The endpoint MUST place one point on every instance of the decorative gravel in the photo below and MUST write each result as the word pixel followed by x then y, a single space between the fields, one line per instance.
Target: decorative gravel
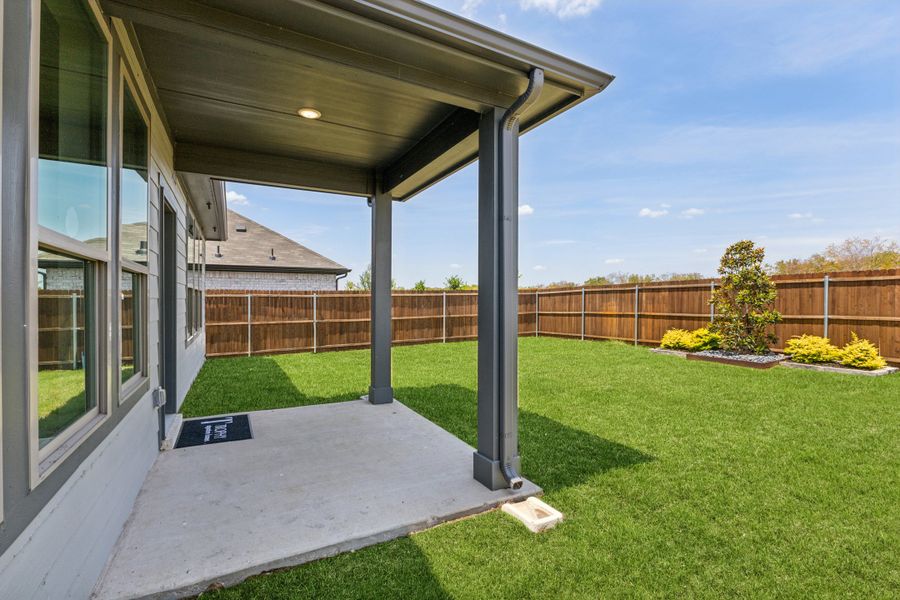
pixel 753 358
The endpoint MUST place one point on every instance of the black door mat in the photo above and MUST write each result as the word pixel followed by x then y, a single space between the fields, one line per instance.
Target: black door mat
pixel 214 430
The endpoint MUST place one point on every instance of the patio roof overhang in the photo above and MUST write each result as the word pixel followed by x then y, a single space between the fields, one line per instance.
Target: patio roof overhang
pixel 401 86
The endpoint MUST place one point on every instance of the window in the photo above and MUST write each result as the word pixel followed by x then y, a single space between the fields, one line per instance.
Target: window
pixel 131 290
pixel 194 292
pixel 72 167
pixel 71 213
pixel 67 387
pixel 133 235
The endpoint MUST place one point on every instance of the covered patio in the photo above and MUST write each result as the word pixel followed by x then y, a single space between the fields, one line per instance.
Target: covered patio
pixel 313 482
pixel 373 99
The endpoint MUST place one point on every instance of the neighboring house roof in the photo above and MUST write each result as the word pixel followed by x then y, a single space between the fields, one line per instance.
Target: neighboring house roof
pixel 251 246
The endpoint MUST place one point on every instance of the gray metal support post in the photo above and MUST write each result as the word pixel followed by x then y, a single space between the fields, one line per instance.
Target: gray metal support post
pixel 537 312
pixel 380 390
pixel 636 313
pixel 498 306
pixel 825 285
pixel 712 307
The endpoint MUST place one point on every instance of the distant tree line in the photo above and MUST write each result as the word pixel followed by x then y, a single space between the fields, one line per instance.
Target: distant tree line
pixel 854 254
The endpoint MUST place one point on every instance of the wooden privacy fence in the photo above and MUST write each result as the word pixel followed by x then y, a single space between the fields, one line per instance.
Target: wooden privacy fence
pixel 61 330
pixel 834 305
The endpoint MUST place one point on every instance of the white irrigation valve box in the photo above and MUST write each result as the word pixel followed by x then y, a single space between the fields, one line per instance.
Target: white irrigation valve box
pixel 536 514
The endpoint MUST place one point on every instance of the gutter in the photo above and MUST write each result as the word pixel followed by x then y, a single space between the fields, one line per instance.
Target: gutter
pixel 507 421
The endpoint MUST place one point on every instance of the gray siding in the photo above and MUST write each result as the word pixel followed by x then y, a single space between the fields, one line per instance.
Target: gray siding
pixel 56 537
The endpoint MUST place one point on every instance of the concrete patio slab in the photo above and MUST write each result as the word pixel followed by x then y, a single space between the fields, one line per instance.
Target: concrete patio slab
pixel 313 482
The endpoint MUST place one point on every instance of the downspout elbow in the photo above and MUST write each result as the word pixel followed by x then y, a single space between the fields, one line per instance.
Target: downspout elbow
pixel 528 97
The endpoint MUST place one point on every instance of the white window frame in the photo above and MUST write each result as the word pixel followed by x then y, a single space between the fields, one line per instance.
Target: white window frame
pixel 43 461
pixel 126 389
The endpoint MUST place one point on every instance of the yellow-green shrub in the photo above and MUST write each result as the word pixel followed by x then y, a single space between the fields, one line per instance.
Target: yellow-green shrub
pixel 704 339
pixel 812 349
pixel 691 341
pixel 677 339
pixel 861 354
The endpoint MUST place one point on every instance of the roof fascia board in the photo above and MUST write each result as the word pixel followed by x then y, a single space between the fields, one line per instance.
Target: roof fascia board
pixel 275 269
pixel 456 31
pixel 265 169
pixel 213 25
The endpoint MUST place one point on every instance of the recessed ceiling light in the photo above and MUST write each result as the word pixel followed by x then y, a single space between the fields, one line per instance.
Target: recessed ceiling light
pixel 309 113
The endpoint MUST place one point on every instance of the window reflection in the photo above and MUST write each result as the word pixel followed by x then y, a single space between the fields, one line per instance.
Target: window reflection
pixel 72 133
pixel 134 182
pixel 131 319
pixel 65 349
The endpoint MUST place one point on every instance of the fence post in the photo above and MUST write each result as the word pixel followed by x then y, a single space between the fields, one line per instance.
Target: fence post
pixel 74 330
pixel 537 312
pixel 712 307
pixel 582 314
pixel 444 316
pixel 636 287
pixel 825 285
pixel 249 329
pixel 315 323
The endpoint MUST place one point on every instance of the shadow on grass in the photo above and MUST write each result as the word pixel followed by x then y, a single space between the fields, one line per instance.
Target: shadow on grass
pixel 554 455
pixel 247 384
pixel 396 569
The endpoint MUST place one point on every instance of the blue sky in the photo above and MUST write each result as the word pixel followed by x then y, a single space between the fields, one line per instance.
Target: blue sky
pixel 773 120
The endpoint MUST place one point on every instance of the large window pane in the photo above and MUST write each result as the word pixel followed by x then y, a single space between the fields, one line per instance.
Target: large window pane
pixel 65 349
pixel 134 182
pixel 132 318
pixel 72 133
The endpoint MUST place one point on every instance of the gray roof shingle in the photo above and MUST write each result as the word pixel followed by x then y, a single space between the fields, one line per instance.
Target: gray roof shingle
pixel 250 247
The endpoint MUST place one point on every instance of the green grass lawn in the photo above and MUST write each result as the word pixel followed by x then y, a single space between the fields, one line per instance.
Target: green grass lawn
pixel 61 400
pixel 677 478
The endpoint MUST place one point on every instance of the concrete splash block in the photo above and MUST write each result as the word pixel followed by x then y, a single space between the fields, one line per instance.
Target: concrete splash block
pixel 536 514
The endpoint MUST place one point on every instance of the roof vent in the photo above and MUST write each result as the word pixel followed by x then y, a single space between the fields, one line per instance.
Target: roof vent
pixel 241 228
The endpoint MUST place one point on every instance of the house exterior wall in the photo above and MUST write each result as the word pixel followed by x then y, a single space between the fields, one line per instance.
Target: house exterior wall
pixel 57 533
pixel 265 281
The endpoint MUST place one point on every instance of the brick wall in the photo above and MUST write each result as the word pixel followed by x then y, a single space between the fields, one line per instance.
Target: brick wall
pixel 268 282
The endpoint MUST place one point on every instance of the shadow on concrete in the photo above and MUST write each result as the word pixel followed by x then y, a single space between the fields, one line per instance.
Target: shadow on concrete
pixel 554 455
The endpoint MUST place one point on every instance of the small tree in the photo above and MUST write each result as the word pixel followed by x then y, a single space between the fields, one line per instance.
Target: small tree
pixel 454 282
pixel 365 281
pixel 419 286
pixel 744 300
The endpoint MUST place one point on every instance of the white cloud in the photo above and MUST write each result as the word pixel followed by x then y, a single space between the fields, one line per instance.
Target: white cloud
pixel 525 209
pixel 797 216
pixel 665 205
pixel 653 214
pixel 563 9
pixel 557 243
pixel 455 266
pixel 469 7
pixel 236 198
pixel 614 261
pixel 700 250
pixel 540 268
pixel 692 212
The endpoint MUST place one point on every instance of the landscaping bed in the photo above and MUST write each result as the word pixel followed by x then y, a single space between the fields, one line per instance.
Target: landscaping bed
pixel 838 368
pixel 755 361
